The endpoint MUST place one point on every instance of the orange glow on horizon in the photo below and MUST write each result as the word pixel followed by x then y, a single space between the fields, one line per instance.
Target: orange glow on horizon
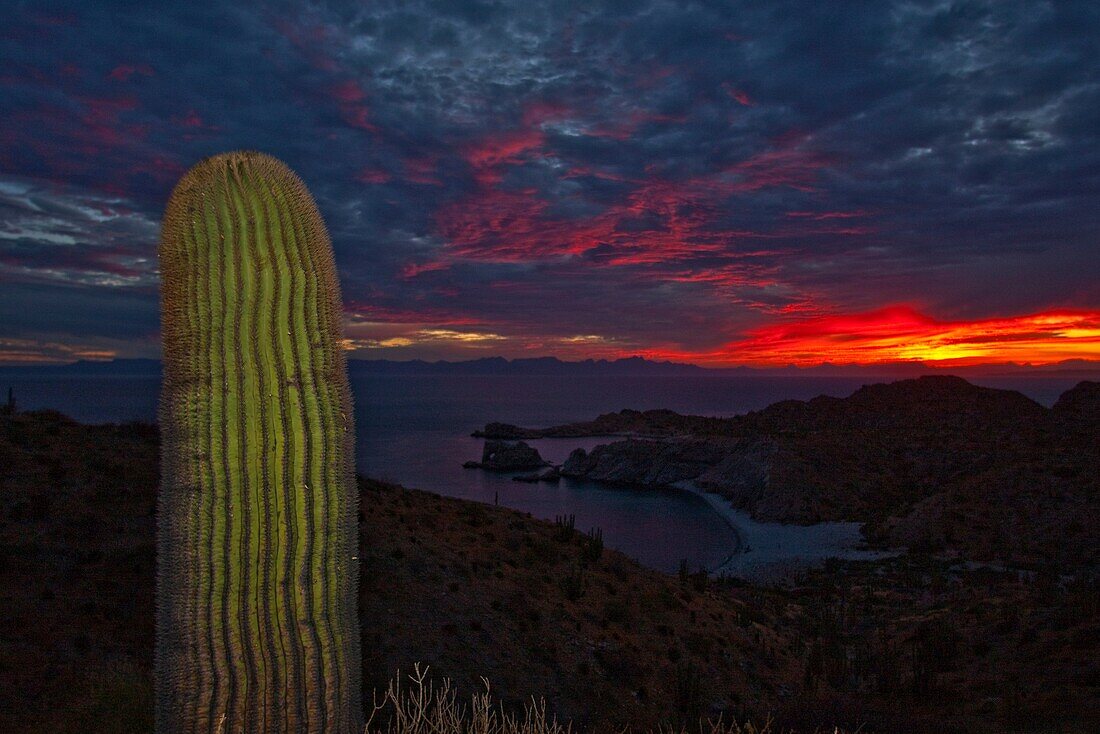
pixel 902 334
pixel 27 352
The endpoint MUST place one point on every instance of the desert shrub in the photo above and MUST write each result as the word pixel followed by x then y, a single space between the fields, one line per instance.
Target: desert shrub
pixel 565 525
pixel 593 546
pixel 422 706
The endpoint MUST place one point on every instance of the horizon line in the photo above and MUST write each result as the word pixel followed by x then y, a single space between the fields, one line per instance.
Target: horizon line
pixel 934 365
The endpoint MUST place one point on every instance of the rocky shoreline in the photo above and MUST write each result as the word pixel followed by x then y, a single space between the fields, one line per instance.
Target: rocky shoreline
pixel 737 469
pixel 932 462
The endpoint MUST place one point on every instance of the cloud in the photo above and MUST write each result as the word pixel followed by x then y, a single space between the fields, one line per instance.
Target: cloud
pixel 664 175
pixel 902 334
pixel 74 237
pixel 123 72
pixel 15 352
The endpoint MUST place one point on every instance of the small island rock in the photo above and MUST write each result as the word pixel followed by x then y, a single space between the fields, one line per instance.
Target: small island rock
pixel 507 456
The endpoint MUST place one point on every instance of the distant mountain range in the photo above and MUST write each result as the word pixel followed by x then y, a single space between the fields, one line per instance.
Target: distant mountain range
pixel 87 367
pixel 641 366
pixel 531 366
pixel 630 366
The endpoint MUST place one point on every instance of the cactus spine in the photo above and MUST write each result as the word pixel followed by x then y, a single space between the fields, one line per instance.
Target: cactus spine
pixel 257 581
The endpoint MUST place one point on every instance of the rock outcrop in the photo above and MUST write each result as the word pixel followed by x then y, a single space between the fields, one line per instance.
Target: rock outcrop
pixel 646 462
pixel 507 456
pixel 736 469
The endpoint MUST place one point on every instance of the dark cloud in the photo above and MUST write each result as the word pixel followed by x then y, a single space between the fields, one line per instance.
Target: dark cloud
pixel 594 178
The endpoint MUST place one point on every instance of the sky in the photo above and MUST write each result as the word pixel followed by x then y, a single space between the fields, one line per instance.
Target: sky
pixel 711 182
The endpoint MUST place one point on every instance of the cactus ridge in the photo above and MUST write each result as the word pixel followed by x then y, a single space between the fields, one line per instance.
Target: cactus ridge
pixel 257 585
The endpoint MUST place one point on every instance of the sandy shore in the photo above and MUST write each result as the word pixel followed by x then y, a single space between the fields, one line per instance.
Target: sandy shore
pixel 768 552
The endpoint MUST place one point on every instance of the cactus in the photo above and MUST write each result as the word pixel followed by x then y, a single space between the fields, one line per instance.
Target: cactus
pixel 257 580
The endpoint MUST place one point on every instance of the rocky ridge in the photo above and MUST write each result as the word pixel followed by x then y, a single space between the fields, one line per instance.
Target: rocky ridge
pixel 931 461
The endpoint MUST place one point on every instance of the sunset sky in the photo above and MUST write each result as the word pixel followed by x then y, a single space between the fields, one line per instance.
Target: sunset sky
pixel 714 182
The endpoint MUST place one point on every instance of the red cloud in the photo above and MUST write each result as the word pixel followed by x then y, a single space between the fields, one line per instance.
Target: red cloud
pixel 123 72
pixel 580 171
pixel 79 261
pixel 625 130
pixel 660 220
pixel 740 95
pixel 422 170
pixel 72 146
pixel 373 176
pixel 349 96
pixel 902 334
pixel 191 119
pixel 376 313
pixel 536 113
pixel 101 127
pixel 486 156
pixel 347 91
pixel 818 216
pixel 411 270
pixel 358 117
pixel 308 40
pixel 315 42
pixel 788 165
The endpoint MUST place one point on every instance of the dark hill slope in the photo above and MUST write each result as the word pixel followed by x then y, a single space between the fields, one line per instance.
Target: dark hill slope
pixel 470 589
pixel 1081 403
pixel 484 591
pixel 915 645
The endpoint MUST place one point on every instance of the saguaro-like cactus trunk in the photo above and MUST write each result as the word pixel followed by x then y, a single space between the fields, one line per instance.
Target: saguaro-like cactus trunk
pixel 257 580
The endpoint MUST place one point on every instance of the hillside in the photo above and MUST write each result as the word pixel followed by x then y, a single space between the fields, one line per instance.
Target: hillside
pixel 915 645
pixel 470 589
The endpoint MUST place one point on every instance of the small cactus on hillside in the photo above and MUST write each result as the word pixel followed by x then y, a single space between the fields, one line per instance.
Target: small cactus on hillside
pixel 257 581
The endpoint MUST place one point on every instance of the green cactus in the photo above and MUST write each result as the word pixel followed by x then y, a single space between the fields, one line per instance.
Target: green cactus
pixel 257 581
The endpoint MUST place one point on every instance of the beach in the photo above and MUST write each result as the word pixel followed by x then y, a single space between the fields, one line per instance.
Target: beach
pixel 768 552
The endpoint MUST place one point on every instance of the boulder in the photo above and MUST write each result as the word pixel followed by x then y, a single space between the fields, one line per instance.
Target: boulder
pixel 644 462
pixel 507 456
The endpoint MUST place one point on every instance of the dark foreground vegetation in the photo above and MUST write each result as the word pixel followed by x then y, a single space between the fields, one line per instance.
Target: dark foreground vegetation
pixel 926 642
